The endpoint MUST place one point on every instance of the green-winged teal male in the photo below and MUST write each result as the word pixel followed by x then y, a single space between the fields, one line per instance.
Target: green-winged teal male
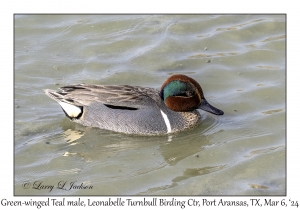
pixel 134 109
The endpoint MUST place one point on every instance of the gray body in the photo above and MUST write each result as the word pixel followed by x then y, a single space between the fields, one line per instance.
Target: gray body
pixel 126 109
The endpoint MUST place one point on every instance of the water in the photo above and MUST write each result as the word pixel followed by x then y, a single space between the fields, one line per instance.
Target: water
pixel 239 60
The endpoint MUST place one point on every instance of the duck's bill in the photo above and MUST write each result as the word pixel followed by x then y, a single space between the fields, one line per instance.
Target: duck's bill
pixel 209 108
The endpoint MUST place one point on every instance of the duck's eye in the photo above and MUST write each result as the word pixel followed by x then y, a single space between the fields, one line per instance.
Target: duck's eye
pixel 185 94
pixel 190 93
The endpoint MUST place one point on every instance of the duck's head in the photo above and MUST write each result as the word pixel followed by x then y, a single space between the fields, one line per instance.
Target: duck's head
pixel 182 93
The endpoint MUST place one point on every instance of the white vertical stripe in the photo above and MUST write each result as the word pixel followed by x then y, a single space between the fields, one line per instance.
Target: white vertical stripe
pixel 166 119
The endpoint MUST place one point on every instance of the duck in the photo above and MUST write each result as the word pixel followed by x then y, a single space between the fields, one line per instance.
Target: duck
pixel 135 109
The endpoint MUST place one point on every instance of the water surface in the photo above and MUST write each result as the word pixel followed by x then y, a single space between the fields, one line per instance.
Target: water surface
pixel 239 60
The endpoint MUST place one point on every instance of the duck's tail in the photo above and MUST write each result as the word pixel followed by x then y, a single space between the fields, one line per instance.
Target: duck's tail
pixel 70 109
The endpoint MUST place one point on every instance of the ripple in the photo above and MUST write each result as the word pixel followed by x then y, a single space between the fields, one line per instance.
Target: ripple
pixel 146 170
pixel 192 172
pixel 257 186
pixel 272 111
pixel 274 38
pixel 264 151
pixel 215 55
pixel 70 171
pixel 269 67
pixel 239 26
pixel 214 126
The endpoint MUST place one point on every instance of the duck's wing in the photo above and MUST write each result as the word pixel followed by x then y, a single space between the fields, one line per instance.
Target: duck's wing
pixel 114 96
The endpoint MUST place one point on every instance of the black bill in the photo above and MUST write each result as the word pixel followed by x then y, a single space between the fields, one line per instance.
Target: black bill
pixel 209 108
